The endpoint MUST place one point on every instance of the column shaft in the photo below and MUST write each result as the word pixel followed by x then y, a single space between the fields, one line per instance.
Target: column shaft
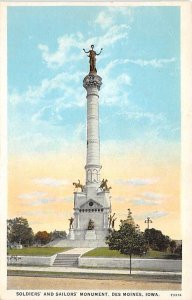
pixel 92 85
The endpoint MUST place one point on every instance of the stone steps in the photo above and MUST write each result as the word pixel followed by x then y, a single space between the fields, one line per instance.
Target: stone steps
pixel 66 260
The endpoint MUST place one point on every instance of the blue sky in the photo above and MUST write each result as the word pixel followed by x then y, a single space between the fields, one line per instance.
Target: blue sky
pixel 140 67
pixel 139 110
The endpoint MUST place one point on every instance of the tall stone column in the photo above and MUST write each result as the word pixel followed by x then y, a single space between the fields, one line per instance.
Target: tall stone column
pixel 92 83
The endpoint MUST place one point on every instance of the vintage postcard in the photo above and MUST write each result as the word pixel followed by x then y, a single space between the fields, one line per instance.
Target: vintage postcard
pixel 95 151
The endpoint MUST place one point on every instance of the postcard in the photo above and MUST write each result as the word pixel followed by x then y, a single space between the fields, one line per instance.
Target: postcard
pixel 95 150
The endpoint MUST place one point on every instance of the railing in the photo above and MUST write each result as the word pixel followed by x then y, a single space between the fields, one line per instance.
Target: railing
pixel 12 259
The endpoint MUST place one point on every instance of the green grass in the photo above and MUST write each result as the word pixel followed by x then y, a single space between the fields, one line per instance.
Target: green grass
pixel 105 252
pixel 162 255
pixel 37 251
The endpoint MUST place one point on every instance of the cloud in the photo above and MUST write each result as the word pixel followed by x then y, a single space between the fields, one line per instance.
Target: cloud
pixel 116 91
pixel 43 214
pixel 154 196
pixel 137 181
pixel 29 196
pixel 69 47
pixel 51 181
pixel 80 130
pixel 39 198
pixel 60 83
pixel 141 201
pixel 119 199
pixel 66 44
pixel 137 115
pixel 155 63
pixel 35 213
pixel 43 143
pixel 104 20
pixel 42 201
pixel 46 114
pixel 36 142
pixel 107 18
pixel 152 215
pixel 68 198
pixel 148 198
pixel 15 97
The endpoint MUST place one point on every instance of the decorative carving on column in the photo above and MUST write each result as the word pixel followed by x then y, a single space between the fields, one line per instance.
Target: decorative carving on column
pixel 93 175
pixel 92 81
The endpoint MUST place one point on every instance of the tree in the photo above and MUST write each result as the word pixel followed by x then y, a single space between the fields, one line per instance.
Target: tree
pixel 18 231
pixel 42 237
pixel 178 251
pixel 57 234
pixel 172 246
pixel 128 240
pixel 156 239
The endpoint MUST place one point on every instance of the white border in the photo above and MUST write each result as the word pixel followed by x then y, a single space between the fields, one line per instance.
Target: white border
pixel 186 96
pixel 3 144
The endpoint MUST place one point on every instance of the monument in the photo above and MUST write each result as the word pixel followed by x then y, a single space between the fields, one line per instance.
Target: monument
pixel 92 217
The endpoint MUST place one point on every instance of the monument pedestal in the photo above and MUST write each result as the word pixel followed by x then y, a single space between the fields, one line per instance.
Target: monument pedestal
pixel 90 235
pixel 71 235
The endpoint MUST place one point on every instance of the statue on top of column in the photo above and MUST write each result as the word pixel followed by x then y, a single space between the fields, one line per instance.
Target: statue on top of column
pixel 92 58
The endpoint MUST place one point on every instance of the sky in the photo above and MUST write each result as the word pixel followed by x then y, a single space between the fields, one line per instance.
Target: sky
pixel 139 111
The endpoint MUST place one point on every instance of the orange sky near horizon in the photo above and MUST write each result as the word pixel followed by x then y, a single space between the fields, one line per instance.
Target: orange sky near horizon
pixel 41 190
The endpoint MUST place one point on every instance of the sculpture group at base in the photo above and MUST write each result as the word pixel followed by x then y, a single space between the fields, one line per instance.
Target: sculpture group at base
pixel 112 220
pixel 78 185
pixel 104 186
pixel 91 225
pixel 71 223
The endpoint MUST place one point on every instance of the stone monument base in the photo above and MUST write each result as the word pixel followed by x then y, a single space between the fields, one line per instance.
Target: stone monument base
pixel 90 235
pixel 71 235
pixel 77 243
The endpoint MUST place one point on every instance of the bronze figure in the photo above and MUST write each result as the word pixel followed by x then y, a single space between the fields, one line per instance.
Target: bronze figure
pixel 78 185
pixel 71 223
pixel 104 186
pixel 111 220
pixel 90 225
pixel 92 58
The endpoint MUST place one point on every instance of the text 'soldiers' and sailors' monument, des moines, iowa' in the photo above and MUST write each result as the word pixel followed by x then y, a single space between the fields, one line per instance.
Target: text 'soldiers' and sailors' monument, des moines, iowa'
pixel 92 218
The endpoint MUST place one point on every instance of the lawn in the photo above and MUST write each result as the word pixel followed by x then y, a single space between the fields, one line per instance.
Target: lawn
pixel 105 252
pixel 37 251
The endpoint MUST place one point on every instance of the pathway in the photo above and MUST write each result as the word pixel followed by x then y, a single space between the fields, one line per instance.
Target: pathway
pixel 90 270
pixel 79 251
pixel 69 258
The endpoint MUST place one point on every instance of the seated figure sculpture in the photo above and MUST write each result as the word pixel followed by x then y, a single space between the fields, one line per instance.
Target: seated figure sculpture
pixel 90 225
